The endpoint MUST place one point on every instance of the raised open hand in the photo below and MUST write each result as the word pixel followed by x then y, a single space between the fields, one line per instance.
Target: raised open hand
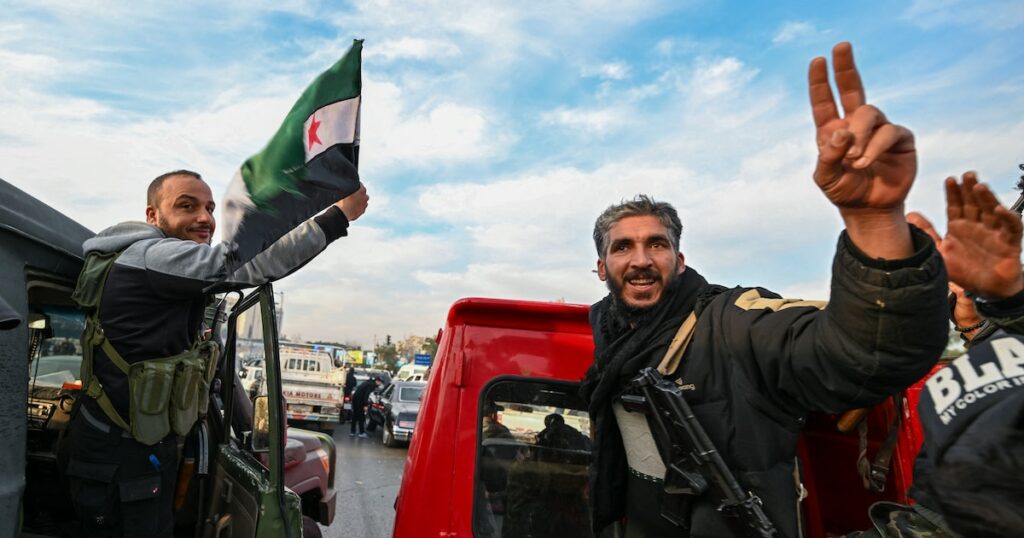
pixel 964 312
pixel 865 163
pixel 983 240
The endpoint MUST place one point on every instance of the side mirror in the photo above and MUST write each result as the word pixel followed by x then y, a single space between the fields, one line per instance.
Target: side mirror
pixel 38 321
pixel 261 425
pixel 39 330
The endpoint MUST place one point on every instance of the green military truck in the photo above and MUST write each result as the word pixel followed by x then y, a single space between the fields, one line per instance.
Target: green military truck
pixel 236 481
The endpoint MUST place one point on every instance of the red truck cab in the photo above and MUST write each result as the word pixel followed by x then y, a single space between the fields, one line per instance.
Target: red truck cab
pixel 518 364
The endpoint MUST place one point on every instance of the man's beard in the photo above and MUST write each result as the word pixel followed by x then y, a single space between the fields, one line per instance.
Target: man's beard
pixel 633 316
pixel 178 234
pixel 167 230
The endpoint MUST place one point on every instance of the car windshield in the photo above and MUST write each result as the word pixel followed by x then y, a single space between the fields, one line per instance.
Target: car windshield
pixel 57 369
pixel 410 394
pixel 58 357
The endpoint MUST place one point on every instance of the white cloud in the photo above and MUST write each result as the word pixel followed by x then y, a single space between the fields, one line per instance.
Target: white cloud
pixel 365 284
pixel 27 64
pixel 397 131
pixel 595 122
pixel 712 78
pixel 791 30
pixel 988 14
pixel 610 71
pixel 413 48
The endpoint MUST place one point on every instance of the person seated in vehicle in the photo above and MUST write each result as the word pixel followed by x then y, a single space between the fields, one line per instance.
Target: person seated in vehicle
pixel 497 458
pixel 564 438
pixel 549 478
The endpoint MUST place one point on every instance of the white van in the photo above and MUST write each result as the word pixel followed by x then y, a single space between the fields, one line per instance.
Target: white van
pixel 412 372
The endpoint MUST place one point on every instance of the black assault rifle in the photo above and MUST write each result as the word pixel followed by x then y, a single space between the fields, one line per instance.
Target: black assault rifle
pixel 693 465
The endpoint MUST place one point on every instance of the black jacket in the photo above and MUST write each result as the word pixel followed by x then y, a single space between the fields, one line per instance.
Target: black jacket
pixel 350 382
pixel 362 393
pixel 758 364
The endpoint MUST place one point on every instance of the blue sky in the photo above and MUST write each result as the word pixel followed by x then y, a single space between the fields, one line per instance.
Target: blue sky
pixel 494 133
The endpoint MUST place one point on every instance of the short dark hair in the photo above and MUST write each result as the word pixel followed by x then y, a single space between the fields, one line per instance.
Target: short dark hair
pixel 640 206
pixel 153 192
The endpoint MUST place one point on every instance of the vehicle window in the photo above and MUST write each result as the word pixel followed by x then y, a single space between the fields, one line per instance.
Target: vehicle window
pixel 532 461
pixel 250 349
pixel 57 357
pixel 410 394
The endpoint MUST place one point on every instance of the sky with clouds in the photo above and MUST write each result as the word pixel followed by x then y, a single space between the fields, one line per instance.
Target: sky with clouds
pixel 494 132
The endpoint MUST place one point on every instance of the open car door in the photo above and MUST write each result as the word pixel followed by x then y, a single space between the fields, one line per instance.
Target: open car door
pixel 248 497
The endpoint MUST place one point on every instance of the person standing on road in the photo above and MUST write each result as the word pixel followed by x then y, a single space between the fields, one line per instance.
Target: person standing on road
pixel 143 286
pixel 350 387
pixel 360 397
pixel 756 364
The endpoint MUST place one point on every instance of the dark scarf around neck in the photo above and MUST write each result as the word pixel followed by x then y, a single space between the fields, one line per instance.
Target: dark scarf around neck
pixel 620 352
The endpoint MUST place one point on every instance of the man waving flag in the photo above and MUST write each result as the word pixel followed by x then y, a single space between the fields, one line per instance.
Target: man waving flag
pixel 310 163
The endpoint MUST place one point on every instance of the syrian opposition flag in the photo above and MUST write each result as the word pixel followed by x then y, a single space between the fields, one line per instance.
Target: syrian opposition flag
pixel 309 164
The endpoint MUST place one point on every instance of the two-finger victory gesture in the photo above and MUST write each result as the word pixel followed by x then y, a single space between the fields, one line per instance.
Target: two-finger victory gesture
pixel 866 164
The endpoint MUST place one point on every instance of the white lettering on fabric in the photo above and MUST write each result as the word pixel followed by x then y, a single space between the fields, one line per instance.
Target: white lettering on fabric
pixel 1010 353
pixel 943 388
pixel 972 379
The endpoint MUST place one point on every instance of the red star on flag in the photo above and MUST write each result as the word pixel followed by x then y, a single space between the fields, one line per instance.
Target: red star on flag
pixel 311 134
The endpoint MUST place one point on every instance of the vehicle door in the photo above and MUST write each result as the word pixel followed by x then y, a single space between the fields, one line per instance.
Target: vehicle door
pixel 248 497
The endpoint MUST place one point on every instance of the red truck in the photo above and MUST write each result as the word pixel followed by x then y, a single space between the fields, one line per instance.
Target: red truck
pixel 507 372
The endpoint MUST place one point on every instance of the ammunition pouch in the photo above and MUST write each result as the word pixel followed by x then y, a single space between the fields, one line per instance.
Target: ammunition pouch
pixel 170 394
pixel 166 394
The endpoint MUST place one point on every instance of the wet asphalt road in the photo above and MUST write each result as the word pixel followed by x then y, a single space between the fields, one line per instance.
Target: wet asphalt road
pixel 368 477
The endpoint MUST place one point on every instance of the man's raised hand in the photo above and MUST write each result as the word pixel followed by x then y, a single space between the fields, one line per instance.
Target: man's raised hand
pixel 983 240
pixel 866 165
pixel 354 205
pixel 864 162
pixel 964 313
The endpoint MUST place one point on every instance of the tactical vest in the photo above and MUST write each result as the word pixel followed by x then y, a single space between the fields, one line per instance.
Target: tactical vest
pixel 165 394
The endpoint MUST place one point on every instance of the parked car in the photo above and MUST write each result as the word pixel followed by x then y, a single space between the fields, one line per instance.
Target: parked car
pixel 395 409
pixel 240 481
pixel 506 377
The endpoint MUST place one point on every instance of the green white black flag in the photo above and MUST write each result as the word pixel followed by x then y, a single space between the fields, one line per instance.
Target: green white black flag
pixel 310 163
